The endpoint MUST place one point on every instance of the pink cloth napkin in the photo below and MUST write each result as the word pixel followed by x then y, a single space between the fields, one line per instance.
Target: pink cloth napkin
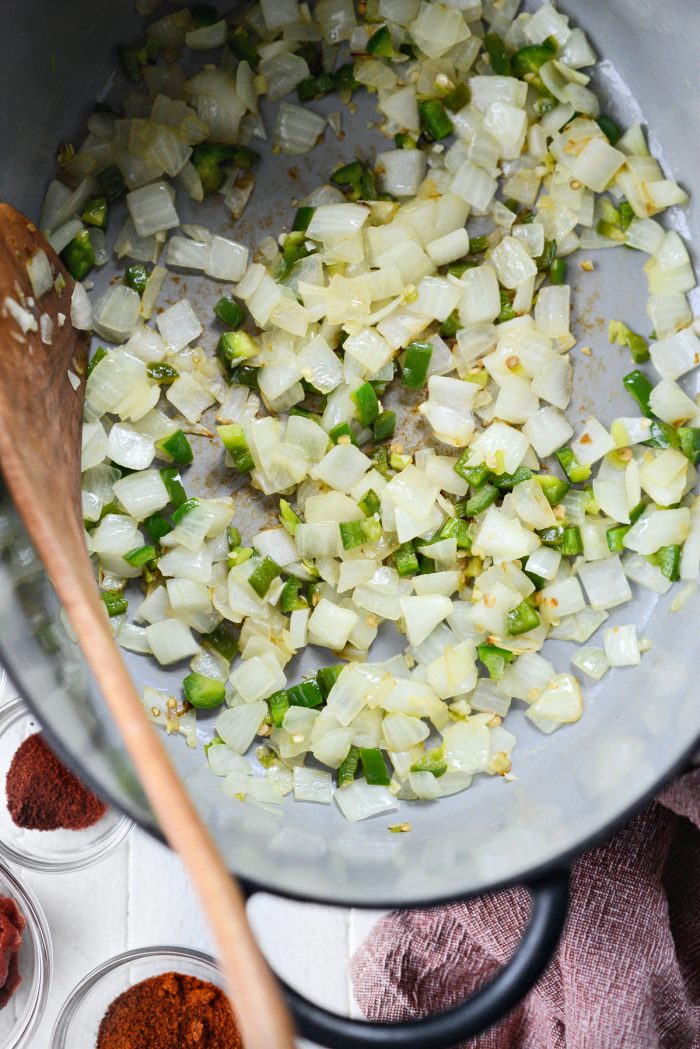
pixel 627 972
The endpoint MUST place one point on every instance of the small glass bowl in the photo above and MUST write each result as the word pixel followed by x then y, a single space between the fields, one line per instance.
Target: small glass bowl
pixel 24 1011
pixel 48 850
pixel 79 1020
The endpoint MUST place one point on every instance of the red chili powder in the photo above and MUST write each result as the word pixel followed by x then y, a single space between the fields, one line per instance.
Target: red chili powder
pixel 12 925
pixel 170 1011
pixel 42 794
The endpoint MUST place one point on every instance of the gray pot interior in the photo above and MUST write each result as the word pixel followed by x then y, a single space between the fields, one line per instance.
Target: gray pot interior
pixel 638 724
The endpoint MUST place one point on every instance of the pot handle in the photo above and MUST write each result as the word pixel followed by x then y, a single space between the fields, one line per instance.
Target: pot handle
pixel 550 893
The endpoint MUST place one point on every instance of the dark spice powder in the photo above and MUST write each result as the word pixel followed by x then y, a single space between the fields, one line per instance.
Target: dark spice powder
pixel 12 925
pixel 171 1011
pixel 42 794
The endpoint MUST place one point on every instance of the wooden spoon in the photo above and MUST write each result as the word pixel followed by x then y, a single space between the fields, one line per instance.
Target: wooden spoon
pixel 40 437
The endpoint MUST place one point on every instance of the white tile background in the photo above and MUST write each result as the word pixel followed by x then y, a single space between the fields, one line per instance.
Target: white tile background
pixel 140 897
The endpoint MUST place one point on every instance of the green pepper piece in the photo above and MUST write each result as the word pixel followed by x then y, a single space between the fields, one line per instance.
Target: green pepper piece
pixel 99 355
pixel 522 619
pixel 575 471
pixel 380 459
pixel 163 373
pixel 233 440
pixel 344 77
pixel 450 327
pixel 552 536
pixel 305 694
pixel 141 555
pixel 112 183
pixel 207 158
pixel 406 560
pixel 234 347
pixel 366 405
pixel 571 544
pixel 184 509
pixel 494 659
pixel 434 120
pixel 177 447
pixel 203 692
pixel 288 518
pixel 626 214
pixel 374 767
pixel 132 60
pixel 689 437
pixel 114 601
pixel 370 503
pixel 348 767
pixel 293 249
pixel 291 600
pixel 380 44
pixel 416 363
pixel 230 312
pixel 402 140
pixel 615 537
pixel 349 177
pixel 157 526
pixel 243 47
pixel 457 98
pixel 639 388
pixel 498 53
pixel 526 62
pixel 637 511
pixel 506 313
pixel 342 430
pixel 302 219
pixel 507 482
pixel 554 488
pixel 663 435
pixel 481 500
pixel 95 212
pixel 136 277
pixel 546 260
pixel 245 375
pixel 239 555
pixel 262 576
pixel 476 476
pixel 326 678
pixel 455 528
pixel 351 534
pixel 620 335
pixel 668 559
pixel 279 705
pixel 384 426
pixel 221 641
pixel 432 761
pixel 557 271
pixel 173 483
pixel 79 256
pixel 314 87
pixel 609 128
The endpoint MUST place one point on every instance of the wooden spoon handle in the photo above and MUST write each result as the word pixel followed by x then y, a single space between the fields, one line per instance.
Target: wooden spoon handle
pixel 264 1020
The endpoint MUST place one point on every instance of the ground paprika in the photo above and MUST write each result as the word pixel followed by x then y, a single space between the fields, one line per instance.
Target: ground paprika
pixel 170 1011
pixel 42 794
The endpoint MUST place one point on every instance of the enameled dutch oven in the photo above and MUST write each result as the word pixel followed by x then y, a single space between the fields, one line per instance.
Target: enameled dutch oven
pixel 573 788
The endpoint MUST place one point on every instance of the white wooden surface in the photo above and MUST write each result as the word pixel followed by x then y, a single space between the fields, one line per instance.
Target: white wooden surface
pixel 140 897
